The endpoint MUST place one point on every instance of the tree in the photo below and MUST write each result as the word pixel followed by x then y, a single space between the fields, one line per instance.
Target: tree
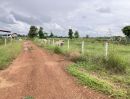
pixel 41 34
pixel 51 35
pixel 32 32
pixel 126 31
pixel 87 36
pixel 70 33
pixel 76 34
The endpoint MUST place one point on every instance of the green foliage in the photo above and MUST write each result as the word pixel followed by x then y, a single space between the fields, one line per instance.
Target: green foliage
pixel 32 32
pixel 41 34
pixel 126 31
pixel 115 64
pixel 76 34
pixel 57 50
pixel 79 59
pixel 115 71
pixel 70 34
pixel 8 53
pixel 28 97
pixel 51 35
pixel 95 83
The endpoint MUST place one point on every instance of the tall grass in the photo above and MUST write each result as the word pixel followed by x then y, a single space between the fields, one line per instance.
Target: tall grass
pixel 115 64
pixel 8 53
pixel 95 83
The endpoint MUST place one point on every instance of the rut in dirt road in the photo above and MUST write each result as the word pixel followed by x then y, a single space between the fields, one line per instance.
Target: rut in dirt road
pixel 41 75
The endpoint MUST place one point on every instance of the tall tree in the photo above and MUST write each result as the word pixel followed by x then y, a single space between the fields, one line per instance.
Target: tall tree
pixel 76 34
pixel 32 32
pixel 70 34
pixel 41 34
pixel 126 31
pixel 51 35
pixel 87 36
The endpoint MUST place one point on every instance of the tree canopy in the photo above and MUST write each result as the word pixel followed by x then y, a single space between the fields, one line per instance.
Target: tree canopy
pixel 126 31
pixel 51 35
pixel 76 34
pixel 41 34
pixel 32 32
pixel 70 34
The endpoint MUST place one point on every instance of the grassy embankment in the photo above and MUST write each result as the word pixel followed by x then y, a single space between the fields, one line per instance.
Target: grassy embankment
pixel 111 76
pixel 8 53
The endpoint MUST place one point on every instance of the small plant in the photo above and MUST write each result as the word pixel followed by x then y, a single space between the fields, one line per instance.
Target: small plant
pixel 57 50
pixel 28 97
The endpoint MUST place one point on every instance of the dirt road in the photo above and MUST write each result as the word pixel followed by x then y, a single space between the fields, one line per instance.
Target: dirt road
pixel 41 75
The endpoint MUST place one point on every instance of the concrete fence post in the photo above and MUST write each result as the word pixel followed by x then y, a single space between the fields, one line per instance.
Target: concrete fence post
pixel 106 50
pixel 82 50
pixel 5 41
pixel 68 44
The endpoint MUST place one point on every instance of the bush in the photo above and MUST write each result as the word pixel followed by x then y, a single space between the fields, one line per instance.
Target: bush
pixel 79 59
pixel 57 50
pixel 115 64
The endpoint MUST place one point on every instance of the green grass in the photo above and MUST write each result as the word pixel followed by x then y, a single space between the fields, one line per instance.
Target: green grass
pixel 115 70
pixel 28 97
pixel 8 53
pixel 95 83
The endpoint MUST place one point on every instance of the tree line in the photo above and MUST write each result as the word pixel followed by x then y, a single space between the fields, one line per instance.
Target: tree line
pixel 35 32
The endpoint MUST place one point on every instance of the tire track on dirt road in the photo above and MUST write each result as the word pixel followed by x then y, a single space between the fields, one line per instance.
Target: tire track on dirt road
pixel 42 75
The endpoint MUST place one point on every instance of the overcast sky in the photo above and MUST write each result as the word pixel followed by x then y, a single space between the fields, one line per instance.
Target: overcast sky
pixel 92 17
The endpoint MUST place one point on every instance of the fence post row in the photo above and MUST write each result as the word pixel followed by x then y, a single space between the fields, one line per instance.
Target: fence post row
pixel 82 47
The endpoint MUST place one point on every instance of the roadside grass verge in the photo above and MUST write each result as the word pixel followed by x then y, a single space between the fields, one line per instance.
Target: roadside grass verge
pixel 96 83
pixel 8 53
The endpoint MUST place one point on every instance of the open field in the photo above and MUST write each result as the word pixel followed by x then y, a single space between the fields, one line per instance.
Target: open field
pixel 111 76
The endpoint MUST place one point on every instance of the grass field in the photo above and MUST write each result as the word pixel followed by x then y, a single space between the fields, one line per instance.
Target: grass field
pixel 8 53
pixel 111 76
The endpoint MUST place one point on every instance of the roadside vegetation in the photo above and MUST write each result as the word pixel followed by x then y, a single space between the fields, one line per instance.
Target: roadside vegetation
pixel 92 68
pixel 111 76
pixel 8 53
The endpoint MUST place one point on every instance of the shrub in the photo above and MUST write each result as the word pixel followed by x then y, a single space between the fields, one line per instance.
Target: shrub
pixel 115 63
pixel 57 50
pixel 79 59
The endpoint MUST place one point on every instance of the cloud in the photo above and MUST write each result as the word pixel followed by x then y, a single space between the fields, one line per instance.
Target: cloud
pixel 93 17
pixel 104 10
pixel 30 19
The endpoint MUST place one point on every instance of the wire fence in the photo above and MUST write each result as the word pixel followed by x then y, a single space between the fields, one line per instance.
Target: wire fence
pixel 92 47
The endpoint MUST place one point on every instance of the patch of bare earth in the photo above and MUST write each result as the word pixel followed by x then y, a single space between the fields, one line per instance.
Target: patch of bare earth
pixel 41 75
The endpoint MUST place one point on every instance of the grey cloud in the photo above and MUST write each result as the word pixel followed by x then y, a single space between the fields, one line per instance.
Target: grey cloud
pixel 104 10
pixel 93 16
pixel 6 17
pixel 26 19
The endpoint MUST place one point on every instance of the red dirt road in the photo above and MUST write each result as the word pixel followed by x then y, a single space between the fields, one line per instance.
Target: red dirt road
pixel 41 75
